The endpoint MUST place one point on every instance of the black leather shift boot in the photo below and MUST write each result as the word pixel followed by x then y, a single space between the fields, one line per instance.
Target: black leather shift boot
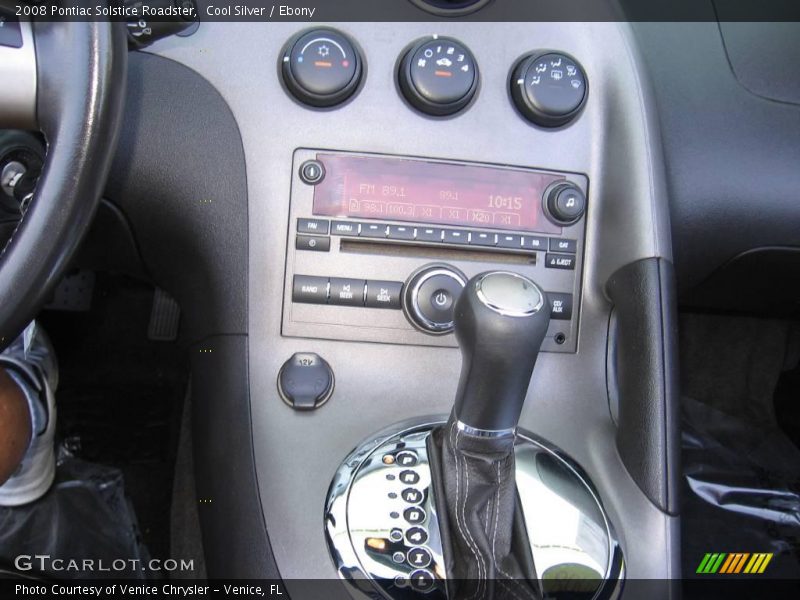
pixel 486 550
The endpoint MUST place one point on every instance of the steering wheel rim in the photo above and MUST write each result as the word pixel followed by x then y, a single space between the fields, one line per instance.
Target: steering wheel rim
pixel 79 70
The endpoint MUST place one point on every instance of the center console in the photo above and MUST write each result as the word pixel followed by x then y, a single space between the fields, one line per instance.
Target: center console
pixel 385 172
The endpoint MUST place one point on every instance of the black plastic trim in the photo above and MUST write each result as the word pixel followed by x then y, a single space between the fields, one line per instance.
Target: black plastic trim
pixel 644 372
pixel 235 539
pixel 180 179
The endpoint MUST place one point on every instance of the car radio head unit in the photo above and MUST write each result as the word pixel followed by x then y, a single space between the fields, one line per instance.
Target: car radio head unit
pixel 380 246
pixel 404 189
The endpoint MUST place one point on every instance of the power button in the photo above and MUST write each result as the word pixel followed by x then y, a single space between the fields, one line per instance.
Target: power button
pixel 442 300
pixel 430 297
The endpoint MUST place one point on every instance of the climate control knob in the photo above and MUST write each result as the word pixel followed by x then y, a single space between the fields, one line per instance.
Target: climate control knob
pixel 430 297
pixel 564 203
pixel 548 89
pixel 321 67
pixel 438 76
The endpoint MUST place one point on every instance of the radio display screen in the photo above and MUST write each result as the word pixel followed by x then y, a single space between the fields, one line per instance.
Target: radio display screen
pixel 401 189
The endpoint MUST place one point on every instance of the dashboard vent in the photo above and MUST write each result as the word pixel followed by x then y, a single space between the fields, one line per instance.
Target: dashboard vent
pixel 451 8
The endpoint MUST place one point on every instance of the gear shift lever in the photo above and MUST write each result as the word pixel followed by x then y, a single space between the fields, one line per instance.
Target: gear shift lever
pixel 434 508
pixel 501 319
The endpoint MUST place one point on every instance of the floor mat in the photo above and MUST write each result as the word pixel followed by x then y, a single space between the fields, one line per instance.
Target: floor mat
pixel 741 484
pixel 120 396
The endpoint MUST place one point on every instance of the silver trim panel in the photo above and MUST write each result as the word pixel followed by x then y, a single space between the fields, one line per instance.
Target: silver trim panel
pixel 18 82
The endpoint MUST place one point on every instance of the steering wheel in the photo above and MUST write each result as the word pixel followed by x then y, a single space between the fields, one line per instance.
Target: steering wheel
pixel 67 80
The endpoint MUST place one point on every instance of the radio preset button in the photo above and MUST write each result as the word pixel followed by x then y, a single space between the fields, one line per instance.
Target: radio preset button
pixel 560 306
pixel 429 234
pixel 400 232
pixel 456 236
pixel 373 230
pixel 315 226
pixel 506 240
pixel 481 238
pixel 313 242
pixel 347 292
pixel 310 290
pixel 344 228
pixel 561 245
pixel 383 294
pixel 560 261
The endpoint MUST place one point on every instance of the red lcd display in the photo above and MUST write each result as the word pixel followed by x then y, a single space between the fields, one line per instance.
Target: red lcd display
pixel 400 189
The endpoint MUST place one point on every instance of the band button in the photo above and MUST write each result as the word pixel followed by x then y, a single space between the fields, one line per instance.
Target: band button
pixel 310 290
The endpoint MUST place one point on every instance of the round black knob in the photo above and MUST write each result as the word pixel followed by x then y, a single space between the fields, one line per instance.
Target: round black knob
pixel 321 68
pixel 564 203
pixel 430 296
pixel 501 320
pixel 548 89
pixel 438 76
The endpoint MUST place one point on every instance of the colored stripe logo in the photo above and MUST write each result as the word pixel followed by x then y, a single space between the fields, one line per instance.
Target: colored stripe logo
pixel 734 563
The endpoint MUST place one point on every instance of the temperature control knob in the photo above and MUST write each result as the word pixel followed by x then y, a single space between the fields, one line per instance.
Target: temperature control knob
pixel 321 68
pixel 548 89
pixel 438 76
pixel 430 297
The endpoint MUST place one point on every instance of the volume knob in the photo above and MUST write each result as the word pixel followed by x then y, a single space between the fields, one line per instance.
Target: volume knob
pixel 430 296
